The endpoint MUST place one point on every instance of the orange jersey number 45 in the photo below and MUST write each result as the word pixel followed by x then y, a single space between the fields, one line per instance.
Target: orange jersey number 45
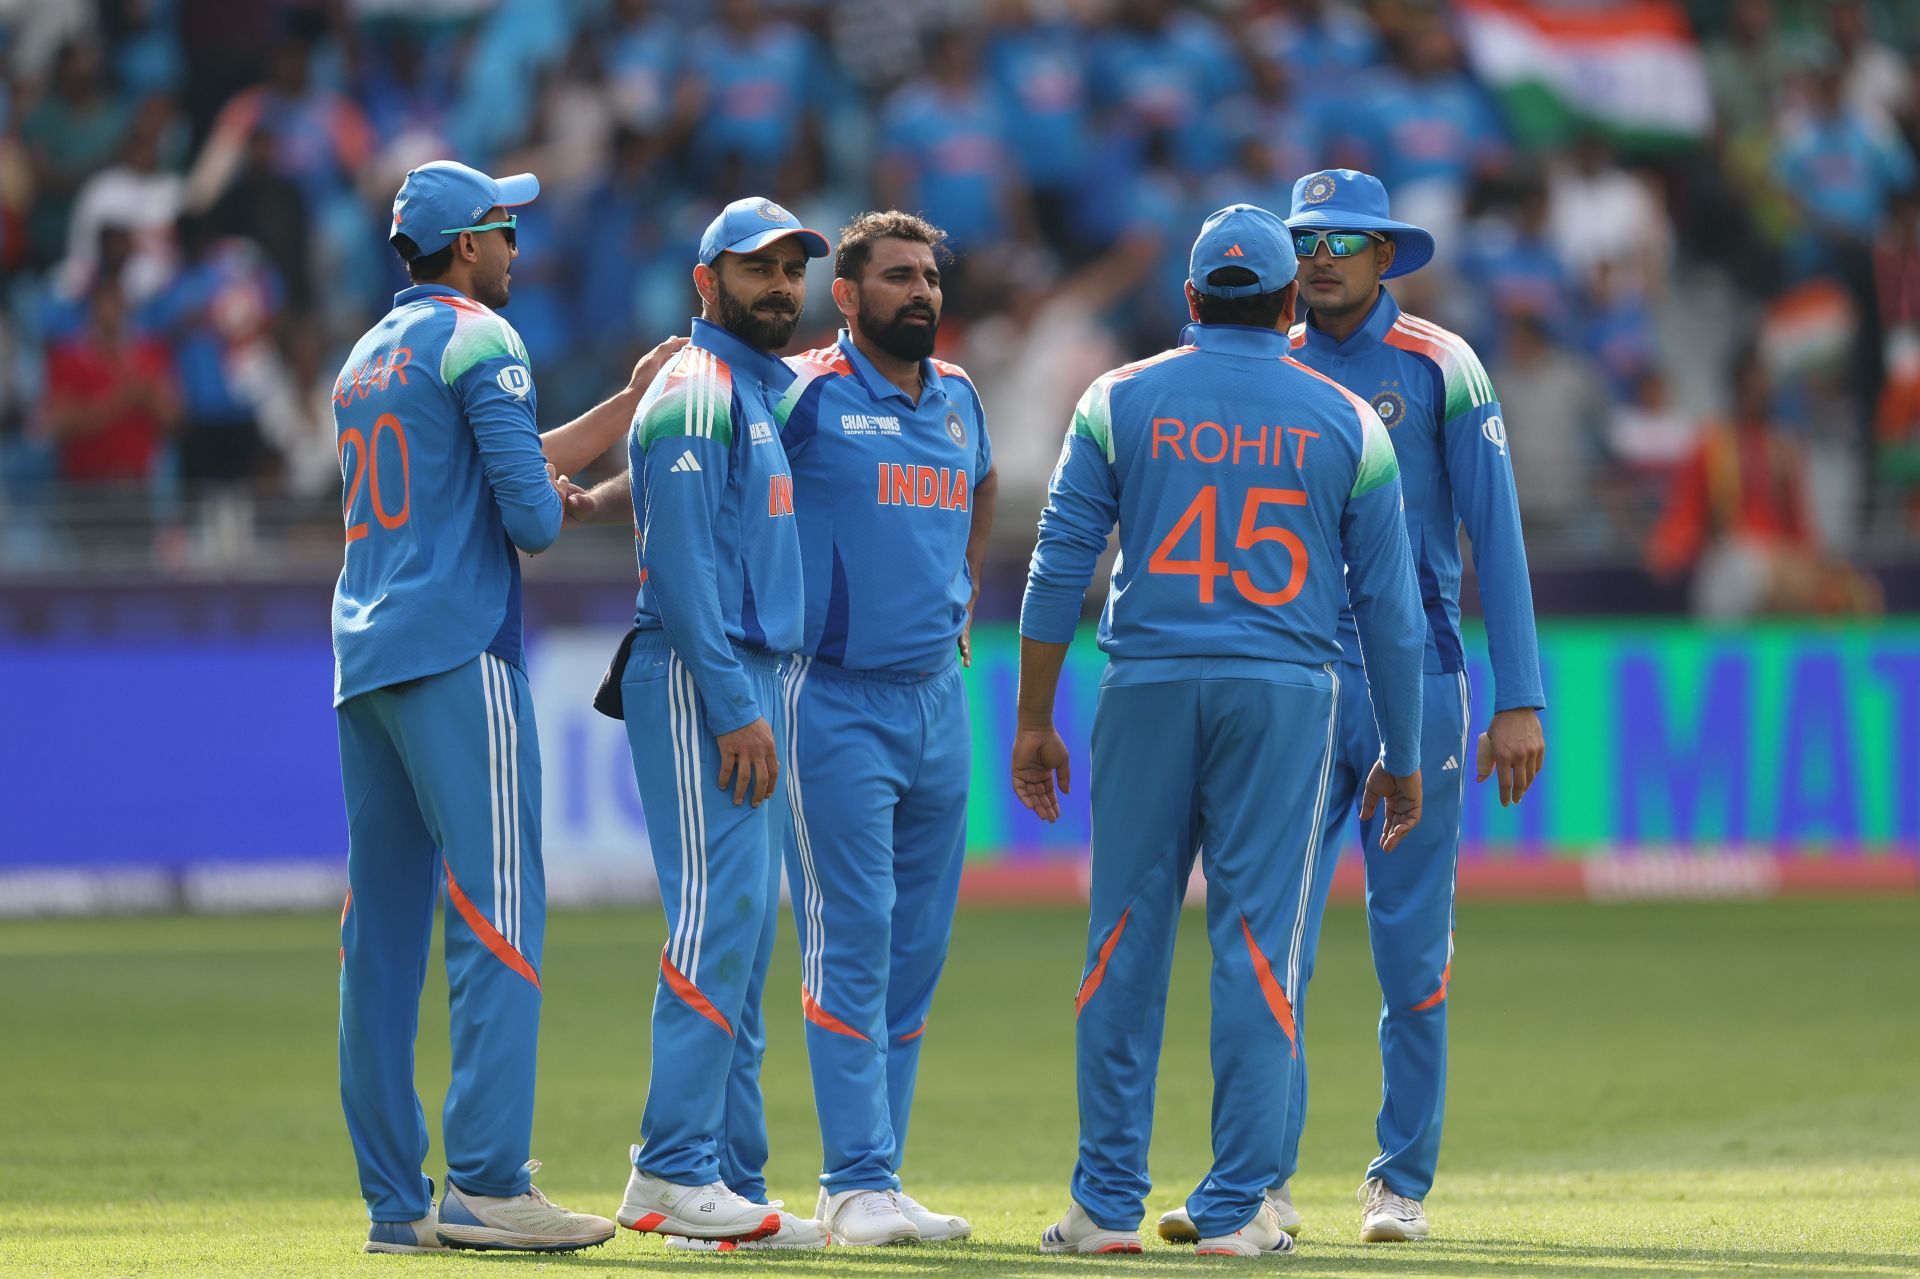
pixel 1203 514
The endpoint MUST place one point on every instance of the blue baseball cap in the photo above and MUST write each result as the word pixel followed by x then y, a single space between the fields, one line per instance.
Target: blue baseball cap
pixel 443 197
pixel 1248 236
pixel 753 223
pixel 1349 200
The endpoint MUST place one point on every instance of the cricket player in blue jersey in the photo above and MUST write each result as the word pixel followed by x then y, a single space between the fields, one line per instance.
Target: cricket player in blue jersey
pixel 446 479
pixel 1445 422
pixel 700 684
pixel 894 490
pixel 1243 484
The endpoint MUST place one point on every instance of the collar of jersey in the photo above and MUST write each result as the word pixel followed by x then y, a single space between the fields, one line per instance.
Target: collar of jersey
pixel 764 366
pixel 1371 333
pixel 414 292
pixel 876 384
pixel 1236 339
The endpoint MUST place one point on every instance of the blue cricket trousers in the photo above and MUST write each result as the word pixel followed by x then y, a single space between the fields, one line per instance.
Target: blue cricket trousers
pixel 878 787
pixel 1410 926
pixel 719 870
pixel 442 783
pixel 1228 757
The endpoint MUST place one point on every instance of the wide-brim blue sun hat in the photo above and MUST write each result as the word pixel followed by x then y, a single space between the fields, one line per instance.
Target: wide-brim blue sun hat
pixel 1349 200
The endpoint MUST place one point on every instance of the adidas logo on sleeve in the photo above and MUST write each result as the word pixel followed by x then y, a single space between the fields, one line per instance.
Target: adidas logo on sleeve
pixel 686 462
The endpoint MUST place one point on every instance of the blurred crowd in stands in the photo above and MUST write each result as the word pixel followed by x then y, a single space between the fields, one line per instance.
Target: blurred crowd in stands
pixel 1708 355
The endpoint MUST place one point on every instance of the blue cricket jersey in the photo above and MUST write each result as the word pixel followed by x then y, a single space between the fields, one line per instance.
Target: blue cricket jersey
pixel 713 517
pixel 884 491
pixel 1242 483
pixel 433 420
pixel 1441 413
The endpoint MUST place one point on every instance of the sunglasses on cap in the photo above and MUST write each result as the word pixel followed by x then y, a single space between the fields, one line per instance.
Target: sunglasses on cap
pixel 1341 244
pixel 506 226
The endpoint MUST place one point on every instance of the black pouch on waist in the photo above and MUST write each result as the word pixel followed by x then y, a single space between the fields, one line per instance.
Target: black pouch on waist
pixel 606 698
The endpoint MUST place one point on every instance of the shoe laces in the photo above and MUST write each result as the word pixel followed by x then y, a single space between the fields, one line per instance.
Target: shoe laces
pixel 877 1203
pixel 1380 1199
pixel 533 1191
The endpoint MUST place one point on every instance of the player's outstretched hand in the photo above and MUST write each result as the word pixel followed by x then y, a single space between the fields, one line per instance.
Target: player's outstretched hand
pixel 653 361
pixel 1402 796
pixel 747 757
pixel 1038 757
pixel 1512 749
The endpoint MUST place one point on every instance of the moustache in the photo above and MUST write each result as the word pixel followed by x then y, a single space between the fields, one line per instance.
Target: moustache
pixel 917 308
pixel 782 308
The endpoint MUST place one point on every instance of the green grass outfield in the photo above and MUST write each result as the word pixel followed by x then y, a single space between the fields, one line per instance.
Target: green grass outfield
pixel 1636 1090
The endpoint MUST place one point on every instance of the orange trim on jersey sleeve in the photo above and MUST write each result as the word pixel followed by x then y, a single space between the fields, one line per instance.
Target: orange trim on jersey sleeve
pixel 690 994
pixel 824 1019
pixel 488 935
pixel 1091 982
pixel 1128 370
pixel 913 1034
pixel 1406 340
pixel 345 906
pixel 1276 998
pixel 950 370
pixel 1439 996
pixel 830 358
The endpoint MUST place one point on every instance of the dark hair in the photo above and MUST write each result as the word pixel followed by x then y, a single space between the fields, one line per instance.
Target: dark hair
pixel 422 267
pixel 858 236
pixel 1255 310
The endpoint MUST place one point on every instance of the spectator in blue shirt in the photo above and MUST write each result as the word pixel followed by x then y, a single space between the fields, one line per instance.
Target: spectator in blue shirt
pixel 748 94
pixel 219 311
pixel 1276 136
pixel 1039 68
pixel 1509 261
pixel 642 61
pixel 1425 127
pixel 942 153
pixel 1325 43
pixel 1840 169
pixel 1164 68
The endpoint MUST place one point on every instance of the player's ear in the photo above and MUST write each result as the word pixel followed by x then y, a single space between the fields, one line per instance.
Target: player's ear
pixel 706 282
pixel 1290 296
pixel 1383 253
pixel 1193 302
pixel 846 296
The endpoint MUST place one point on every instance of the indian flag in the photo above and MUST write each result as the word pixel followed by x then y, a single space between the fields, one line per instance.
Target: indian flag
pixel 1631 69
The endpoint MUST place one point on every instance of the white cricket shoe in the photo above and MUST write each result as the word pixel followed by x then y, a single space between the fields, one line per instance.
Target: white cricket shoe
pixel 1177 1227
pixel 1076 1232
pixel 934 1227
pixel 795 1233
pixel 1389 1218
pixel 406 1236
pixel 697 1212
pixel 1257 1238
pixel 865 1218
pixel 516 1223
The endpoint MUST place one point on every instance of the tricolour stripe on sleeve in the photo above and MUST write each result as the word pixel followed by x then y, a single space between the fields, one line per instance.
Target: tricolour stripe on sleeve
pixel 1466 380
pixel 478 334
pixel 1378 462
pixel 692 396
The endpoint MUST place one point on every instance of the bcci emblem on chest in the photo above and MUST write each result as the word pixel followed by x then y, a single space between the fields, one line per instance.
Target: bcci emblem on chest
pixel 1391 408
pixel 956 430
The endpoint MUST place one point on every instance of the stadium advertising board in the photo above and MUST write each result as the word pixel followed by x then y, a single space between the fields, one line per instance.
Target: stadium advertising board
pixel 1681 761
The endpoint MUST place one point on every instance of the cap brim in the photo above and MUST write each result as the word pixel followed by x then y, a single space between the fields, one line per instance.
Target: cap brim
pixel 517 189
pixel 1412 246
pixel 814 244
